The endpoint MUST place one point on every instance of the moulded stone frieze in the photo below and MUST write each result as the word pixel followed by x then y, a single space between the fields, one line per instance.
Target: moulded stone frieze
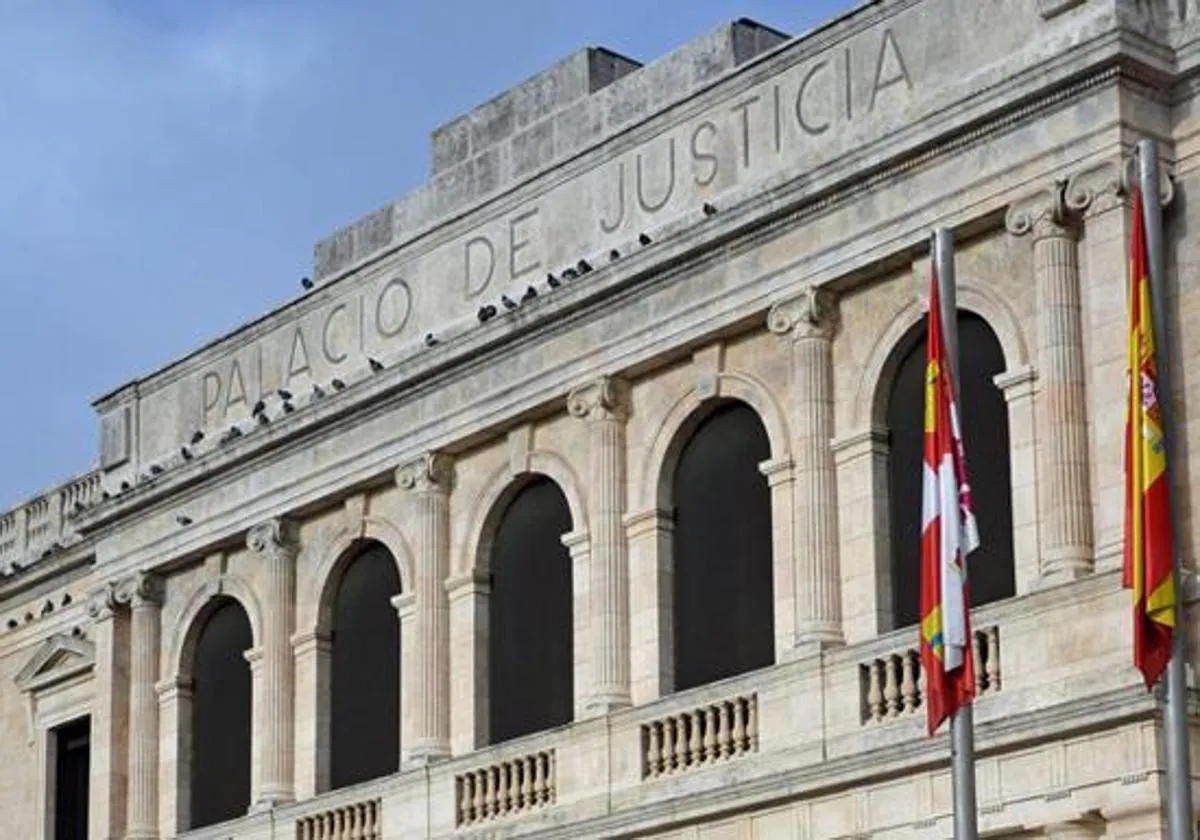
pixel 1042 212
pixel 433 471
pixel 1099 188
pixel 102 602
pixel 273 534
pixel 140 589
pixel 1053 8
pixel 812 313
pixel 605 398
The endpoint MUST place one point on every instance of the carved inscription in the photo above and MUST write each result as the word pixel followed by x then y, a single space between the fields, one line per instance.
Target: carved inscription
pixel 805 116
pixel 800 111
pixel 308 352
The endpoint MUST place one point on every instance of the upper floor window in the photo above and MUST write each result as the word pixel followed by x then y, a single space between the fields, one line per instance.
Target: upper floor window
pixel 984 419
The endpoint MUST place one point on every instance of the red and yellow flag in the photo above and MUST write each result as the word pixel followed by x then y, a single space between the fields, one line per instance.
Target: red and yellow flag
pixel 1149 561
pixel 948 535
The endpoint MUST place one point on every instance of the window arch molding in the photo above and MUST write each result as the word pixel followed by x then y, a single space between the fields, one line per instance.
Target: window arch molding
pixel 203 600
pixel 501 487
pixel 687 412
pixel 870 402
pixel 331 553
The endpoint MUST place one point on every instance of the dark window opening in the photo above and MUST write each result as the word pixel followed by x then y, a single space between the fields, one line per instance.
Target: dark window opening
pixel 365 706
pixel 984 422
pixel 72 758
pixel 530 634
pixel 221 720
pixel 721 550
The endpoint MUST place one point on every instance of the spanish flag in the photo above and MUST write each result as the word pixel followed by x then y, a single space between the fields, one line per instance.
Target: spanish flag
pixel 1148 551
pixel 948 535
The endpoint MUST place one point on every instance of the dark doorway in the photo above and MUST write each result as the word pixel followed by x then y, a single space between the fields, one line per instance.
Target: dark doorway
pixel 72 763
pixel 721 550
pixel 530 635
pixel 221 719
pixel 984 421
pixel 365 707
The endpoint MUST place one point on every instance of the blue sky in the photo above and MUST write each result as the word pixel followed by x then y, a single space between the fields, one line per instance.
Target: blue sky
pixel 165 167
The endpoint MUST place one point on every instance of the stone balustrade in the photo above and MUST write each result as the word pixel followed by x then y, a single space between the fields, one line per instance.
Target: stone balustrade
pixel 774 728
pixel 699 737
pixel 506 788
pixel 29 530
pixel 893 685
pixel 354 821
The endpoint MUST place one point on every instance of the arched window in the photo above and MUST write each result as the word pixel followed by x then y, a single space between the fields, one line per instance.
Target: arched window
pixel 365 670
pixel 530 633
pixel 721 550
pixel 220 760
pixel 984 419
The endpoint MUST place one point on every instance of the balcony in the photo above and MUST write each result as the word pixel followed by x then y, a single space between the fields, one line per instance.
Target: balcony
pixel 815 728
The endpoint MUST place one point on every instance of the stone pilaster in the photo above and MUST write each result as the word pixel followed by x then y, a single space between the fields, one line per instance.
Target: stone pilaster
pixel 110 719
pixel 144 594
pixel 604 406
pixel 1067 543
pixel 809 321
pixel 429 479
pixel 468 595
pixel 274 543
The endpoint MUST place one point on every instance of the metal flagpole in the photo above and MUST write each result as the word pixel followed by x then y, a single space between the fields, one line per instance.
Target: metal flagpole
pixel 1179 771
pixel 962 723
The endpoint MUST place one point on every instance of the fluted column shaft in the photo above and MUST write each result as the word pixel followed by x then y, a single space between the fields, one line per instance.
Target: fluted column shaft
pixel 1062 403
pixel 603 405
pixel 429 478
pixel 810 321
pixel 274 542
pixel 144 595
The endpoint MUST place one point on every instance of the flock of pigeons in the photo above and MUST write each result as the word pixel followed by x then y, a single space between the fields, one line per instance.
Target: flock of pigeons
pixel 285 401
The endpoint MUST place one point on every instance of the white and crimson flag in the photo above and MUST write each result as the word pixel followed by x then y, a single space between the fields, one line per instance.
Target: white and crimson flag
pixel 948 535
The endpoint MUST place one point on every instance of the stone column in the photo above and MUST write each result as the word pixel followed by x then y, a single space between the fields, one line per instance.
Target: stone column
pixel 107 779
pixel 175 725
pixel 144 594
pixel 429 479
pixel 1067 544
pixel 810 320
pixel 274 542
pixel 1098 196
pixel 468 595
pixel 604 406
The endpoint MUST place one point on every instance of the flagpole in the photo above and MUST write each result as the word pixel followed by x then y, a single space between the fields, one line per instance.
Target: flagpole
pixel 1179 772
pixel 962 723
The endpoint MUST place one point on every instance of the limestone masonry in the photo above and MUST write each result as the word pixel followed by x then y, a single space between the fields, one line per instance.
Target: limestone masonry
pixel 576 498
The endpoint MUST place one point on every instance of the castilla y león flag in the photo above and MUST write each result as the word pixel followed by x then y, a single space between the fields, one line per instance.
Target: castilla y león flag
pixel 1148 552
pixel 948 535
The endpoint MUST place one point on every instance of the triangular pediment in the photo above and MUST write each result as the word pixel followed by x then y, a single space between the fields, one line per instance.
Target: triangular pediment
pixel 58 658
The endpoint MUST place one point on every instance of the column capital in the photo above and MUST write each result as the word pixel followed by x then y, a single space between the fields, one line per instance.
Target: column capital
pixel 141 589
pixel 102 602
pixel 1043 213
pixel 432 471
pixel 604 398
pixel 273 535
pixel 1101 187
pixel 811 314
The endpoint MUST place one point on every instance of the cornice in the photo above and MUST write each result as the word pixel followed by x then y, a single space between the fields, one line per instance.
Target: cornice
pixel 758 218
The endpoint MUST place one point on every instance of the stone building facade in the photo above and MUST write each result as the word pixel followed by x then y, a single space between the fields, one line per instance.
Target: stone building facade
pixel 574 500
